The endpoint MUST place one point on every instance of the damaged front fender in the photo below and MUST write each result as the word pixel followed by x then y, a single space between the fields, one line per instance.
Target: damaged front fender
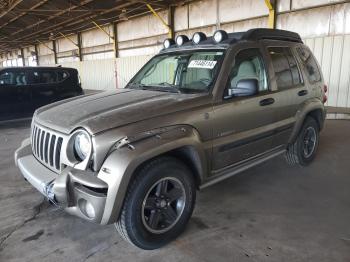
pixel 130 152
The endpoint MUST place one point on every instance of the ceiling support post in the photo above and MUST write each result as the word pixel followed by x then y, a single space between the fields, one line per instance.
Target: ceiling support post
pixel 80 53
pixel 36 54
pixel 271 5
pixel 54 51
pixel 22 56
pixel 115 38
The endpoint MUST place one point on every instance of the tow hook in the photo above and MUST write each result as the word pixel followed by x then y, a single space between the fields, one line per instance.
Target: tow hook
pixel 49 194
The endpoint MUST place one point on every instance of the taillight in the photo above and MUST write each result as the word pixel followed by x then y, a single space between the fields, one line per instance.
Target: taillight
pixel 325 98
pixel 325 88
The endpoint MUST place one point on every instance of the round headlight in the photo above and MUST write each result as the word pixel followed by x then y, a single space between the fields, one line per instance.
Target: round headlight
pixel 168 43
pixel 220 35
pixel 198 37
pixel 82 145
pixel 181 39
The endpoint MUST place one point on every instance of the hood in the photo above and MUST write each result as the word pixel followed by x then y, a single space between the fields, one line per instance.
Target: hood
pixel 111 109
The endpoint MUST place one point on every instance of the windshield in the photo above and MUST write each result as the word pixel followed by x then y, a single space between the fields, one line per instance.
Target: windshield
pixel 190 72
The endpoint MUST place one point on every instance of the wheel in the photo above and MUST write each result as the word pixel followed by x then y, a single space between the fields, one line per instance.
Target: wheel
pixel 158 204
pixel 303 150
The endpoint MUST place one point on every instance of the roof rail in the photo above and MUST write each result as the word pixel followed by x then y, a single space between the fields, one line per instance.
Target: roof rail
pixel 273 34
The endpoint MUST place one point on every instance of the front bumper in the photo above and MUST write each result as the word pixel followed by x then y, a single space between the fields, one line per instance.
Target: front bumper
pixel 80 193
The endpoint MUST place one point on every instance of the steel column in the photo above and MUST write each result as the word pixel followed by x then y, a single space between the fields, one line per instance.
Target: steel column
pixel 271 5
pixel 54 51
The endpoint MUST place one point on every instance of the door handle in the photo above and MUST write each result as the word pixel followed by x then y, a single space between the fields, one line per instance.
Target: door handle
pixel 303 93
pixel 267 101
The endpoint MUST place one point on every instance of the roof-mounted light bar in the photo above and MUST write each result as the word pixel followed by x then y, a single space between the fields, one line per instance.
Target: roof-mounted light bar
pixel 181 39
pixel 220 35
pixel 198 37
pixel 168 43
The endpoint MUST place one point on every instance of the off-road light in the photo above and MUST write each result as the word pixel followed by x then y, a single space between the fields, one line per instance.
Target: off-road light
pixel 220 35
pixel 168 43
pixel 181 39
pixel 82 145
pixel 198 37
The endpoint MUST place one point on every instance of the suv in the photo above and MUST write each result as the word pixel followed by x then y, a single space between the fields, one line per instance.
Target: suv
pixel 24 89
pixel 199 112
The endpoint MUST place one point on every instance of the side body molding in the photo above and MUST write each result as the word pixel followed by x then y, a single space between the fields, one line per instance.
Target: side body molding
pixel 120 165
pixel 305 108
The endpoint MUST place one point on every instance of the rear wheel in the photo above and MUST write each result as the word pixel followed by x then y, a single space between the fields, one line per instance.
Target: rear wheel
pixel 158 204
pixel 303 150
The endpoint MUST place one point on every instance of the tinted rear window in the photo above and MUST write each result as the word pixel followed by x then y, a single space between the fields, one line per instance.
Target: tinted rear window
pixel 49 76
pixel 285 67
pixel 309 63
pixel 13 78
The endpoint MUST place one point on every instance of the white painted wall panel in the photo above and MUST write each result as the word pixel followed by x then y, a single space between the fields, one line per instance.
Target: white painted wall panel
pixel 96 37
pixel 318 48
pixel 47 60
pixel 181 18
pixel 63 44
pixel 344 84
pixel 97 75
pixel 237 10
pixel 197 11
pixel 335 70
pixel 308 23
pixel 333 54
pixel 45 48
pixel 127 67
pixel 297 4
pixel 347 19
pixel 142 27
pixel 283 5
pixel 151 50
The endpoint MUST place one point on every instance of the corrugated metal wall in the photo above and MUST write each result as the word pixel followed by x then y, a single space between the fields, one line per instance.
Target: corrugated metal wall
pixel 97 74
pixel 333 54
pixel 127 67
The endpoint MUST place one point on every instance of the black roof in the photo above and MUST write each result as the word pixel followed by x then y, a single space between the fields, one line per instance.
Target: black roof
pixel 250 35
pixel 38 67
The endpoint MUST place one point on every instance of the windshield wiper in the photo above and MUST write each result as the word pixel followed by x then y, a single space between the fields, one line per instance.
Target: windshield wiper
pixel 168 87
pixel 163 87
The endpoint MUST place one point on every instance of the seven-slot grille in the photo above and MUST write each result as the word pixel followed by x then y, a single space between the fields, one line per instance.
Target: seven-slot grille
pixel 46 147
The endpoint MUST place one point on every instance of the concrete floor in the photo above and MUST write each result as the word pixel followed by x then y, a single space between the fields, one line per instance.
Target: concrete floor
pixel 272 212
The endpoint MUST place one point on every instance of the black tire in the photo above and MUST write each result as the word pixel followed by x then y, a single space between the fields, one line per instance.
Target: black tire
pixel 133 224
pixel 296 153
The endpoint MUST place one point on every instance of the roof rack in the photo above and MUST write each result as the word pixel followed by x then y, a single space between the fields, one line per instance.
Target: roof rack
pixel 273 34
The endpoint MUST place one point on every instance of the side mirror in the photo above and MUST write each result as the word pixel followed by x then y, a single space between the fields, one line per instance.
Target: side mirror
pixel 245 87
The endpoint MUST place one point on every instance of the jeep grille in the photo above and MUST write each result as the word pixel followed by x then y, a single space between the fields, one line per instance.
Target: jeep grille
pixel 46 147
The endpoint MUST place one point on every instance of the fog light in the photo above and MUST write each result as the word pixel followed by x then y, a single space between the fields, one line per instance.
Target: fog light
pixel 87 208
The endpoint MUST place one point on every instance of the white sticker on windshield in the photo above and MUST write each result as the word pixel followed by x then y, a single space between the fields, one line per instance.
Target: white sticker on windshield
pixel 202 64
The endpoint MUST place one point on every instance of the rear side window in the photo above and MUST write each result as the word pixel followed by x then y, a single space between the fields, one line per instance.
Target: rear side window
pixel 49 76
pixel 309 63
pixel 13 78
pixel 285 67
pixel 45 77
pixel 62 75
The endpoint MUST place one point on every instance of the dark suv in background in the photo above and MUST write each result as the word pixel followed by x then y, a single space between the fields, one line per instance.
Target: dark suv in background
pixel 24 89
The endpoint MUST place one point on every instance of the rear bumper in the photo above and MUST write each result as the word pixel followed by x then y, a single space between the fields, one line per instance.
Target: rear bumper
pixel 79 193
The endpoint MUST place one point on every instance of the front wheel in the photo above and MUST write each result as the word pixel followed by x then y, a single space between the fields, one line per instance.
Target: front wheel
pixel 303 150
pixel 158 204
